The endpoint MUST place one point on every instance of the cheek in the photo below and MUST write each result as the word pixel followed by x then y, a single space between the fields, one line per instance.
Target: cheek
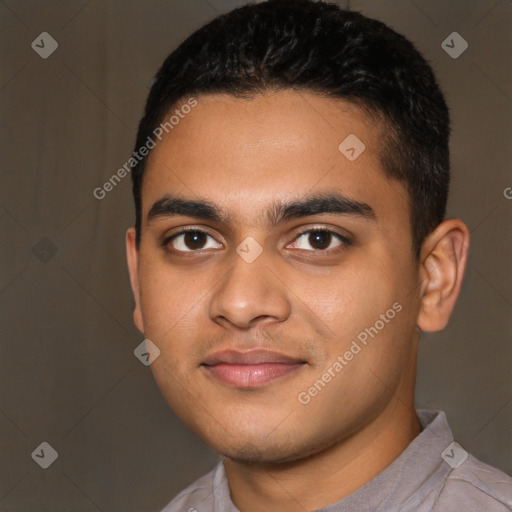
pixel 170 301
pixel 368 305
pixel 351 300
pixel 172 304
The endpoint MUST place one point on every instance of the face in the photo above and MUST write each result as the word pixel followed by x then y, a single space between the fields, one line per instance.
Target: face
pixel 285 315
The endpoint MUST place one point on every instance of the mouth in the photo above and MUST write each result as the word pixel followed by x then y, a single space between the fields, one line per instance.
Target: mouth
pixel 250 369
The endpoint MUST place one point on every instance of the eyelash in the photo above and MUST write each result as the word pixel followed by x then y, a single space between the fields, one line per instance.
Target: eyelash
pixel 345 242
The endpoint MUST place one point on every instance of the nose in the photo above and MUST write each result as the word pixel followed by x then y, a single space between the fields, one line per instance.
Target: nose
pixel 250 293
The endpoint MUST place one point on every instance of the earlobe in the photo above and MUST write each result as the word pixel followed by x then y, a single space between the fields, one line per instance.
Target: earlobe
pixel 444 258
pixel 132 256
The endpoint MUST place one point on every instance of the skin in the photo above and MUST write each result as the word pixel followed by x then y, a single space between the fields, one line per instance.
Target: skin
pixel 243 155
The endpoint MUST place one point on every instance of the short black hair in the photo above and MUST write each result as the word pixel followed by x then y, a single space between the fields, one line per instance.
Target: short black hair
pixel 319 47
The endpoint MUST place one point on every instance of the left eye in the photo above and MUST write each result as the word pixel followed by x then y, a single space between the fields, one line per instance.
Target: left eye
pixel 320 239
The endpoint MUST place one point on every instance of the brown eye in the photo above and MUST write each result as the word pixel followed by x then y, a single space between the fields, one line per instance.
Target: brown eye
pixel 194 240
pixel 319 240
pixel 190 241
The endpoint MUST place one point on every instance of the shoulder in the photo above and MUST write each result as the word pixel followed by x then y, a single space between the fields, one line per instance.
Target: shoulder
pixel 200 493
pixel 475 486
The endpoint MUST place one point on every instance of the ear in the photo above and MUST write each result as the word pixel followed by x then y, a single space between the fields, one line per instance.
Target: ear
pixel 443 262
pixel 132 256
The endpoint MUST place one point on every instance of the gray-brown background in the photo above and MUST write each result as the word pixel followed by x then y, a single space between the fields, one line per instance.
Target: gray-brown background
pixel 68 373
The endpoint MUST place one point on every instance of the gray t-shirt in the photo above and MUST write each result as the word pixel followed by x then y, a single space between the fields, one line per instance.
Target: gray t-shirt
pixel 432 474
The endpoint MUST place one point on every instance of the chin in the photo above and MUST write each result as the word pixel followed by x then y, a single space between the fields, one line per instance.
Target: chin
pixel 251 453
pixel 249 447
pixel 264 449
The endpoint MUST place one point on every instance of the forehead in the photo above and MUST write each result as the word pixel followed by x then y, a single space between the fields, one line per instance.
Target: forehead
pixel 245 154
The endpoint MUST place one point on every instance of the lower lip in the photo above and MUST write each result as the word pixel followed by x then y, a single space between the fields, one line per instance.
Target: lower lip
pixel 250 375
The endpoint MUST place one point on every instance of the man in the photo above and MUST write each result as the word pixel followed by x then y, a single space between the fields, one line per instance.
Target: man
pixel 289 247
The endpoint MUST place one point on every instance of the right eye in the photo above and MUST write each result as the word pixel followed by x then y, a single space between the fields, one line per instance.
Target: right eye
pixel 189 240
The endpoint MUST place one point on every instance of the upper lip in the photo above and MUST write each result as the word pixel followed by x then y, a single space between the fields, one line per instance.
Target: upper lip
pixel 249 357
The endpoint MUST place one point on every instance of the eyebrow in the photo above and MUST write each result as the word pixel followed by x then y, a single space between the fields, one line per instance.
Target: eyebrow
pixel 277 213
